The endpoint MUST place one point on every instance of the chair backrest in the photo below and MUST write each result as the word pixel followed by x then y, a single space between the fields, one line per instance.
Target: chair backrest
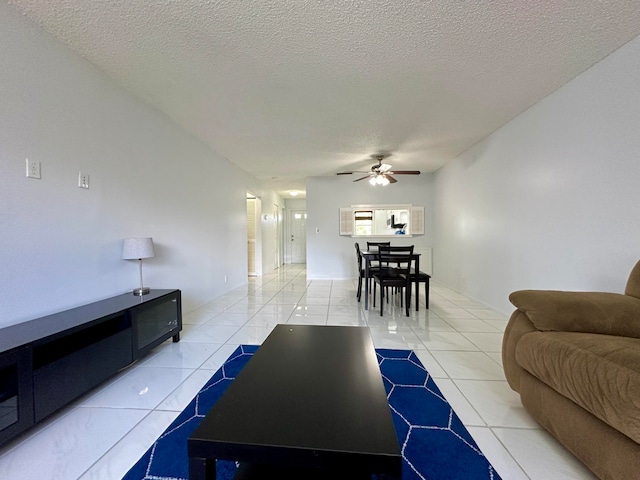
pixel 402 264
pixel 358 255
pixel 394 250
pixel 398 249
pixel 372 246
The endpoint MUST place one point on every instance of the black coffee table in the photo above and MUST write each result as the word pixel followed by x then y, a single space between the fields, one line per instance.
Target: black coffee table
pixel 311 397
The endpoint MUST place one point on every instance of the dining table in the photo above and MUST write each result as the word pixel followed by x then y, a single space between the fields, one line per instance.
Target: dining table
pixel 369 255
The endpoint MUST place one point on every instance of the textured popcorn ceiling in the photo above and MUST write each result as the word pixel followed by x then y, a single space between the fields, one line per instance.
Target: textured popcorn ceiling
pixel 290 89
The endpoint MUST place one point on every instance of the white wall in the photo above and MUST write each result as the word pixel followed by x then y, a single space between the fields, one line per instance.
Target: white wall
pixel 551 200
pixel 330 255
pixel 60 246
pixel 296 204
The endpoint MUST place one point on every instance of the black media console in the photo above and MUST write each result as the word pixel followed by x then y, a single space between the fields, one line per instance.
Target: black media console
pixel 48 362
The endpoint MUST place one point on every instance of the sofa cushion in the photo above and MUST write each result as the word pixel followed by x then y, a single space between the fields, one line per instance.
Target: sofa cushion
pixel 600 373
pixel 590 312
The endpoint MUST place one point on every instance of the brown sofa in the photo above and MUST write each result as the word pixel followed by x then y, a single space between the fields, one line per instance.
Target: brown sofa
pixel 574 357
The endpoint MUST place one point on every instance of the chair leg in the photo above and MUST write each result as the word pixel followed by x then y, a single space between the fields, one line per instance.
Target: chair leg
pixel 426 292
pixel 407 300
pixel 359 294
pixel 374 293
pixel 382 298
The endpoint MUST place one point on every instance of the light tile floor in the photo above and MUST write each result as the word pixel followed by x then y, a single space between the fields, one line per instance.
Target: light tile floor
pixel 458 340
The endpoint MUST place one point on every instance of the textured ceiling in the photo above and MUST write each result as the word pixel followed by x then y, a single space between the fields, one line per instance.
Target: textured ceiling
pixel 289 89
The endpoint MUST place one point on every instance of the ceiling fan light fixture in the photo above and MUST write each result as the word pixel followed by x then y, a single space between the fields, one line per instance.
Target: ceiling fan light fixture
pixel 379 179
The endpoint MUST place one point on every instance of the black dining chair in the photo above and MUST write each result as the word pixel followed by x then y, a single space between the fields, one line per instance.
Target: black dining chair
pixel 396 250
pixel 362 272
pixel 373 247
pixel 419 276
pixel 397 276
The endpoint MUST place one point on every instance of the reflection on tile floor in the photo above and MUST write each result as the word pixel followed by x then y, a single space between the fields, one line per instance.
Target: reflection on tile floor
pixel 458 340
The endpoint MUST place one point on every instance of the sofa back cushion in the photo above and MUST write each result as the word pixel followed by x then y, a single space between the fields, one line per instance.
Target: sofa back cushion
pixel 633 283
pixel 590 312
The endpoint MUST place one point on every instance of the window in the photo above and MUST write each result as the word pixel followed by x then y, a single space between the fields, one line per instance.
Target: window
pixel 381 220
pixel 363 221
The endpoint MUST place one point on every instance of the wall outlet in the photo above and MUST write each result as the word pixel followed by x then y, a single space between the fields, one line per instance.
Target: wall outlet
pixel 83 180
pixel 33 169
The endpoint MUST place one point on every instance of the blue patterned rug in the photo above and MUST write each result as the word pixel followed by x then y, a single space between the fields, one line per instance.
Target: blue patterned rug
pixel 434 442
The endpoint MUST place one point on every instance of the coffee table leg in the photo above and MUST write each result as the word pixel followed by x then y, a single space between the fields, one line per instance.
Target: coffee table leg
pixel 202 469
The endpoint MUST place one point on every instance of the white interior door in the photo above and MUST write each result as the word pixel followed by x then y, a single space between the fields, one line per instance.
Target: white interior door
pixel 251 236
pixel 298 232
pixel 277 241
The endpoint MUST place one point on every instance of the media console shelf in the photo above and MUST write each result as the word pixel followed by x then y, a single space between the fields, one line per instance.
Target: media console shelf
pixel 48 362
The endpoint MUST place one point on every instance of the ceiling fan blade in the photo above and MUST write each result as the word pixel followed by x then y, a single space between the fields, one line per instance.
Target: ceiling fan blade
pixel 351 172
pixel 390 178
pixel 362 178
pixel 384 167
pixel 406 172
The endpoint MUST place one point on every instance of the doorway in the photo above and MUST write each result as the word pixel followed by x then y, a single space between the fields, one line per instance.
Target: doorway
pixel 278 236
pixel 298 233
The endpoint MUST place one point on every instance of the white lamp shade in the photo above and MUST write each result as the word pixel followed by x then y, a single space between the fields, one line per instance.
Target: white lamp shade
pixel 135 248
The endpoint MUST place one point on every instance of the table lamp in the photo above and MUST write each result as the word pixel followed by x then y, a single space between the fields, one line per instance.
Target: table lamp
pixel 137 249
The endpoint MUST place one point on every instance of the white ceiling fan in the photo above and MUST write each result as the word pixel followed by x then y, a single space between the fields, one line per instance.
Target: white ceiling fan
pixel 381 174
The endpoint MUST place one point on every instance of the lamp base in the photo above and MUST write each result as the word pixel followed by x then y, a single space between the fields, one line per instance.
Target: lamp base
pixel 138 292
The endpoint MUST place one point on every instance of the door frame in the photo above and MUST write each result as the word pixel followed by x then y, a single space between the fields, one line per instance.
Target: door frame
pixel 258 236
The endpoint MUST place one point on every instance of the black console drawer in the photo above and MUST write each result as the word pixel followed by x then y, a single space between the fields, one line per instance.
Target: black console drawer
pixel 156 321
pixel 63 380
pixel 16 399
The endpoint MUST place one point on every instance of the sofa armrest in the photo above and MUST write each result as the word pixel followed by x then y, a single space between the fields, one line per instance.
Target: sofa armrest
pixel 589 312
pixel 633 282
pixel 518 326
